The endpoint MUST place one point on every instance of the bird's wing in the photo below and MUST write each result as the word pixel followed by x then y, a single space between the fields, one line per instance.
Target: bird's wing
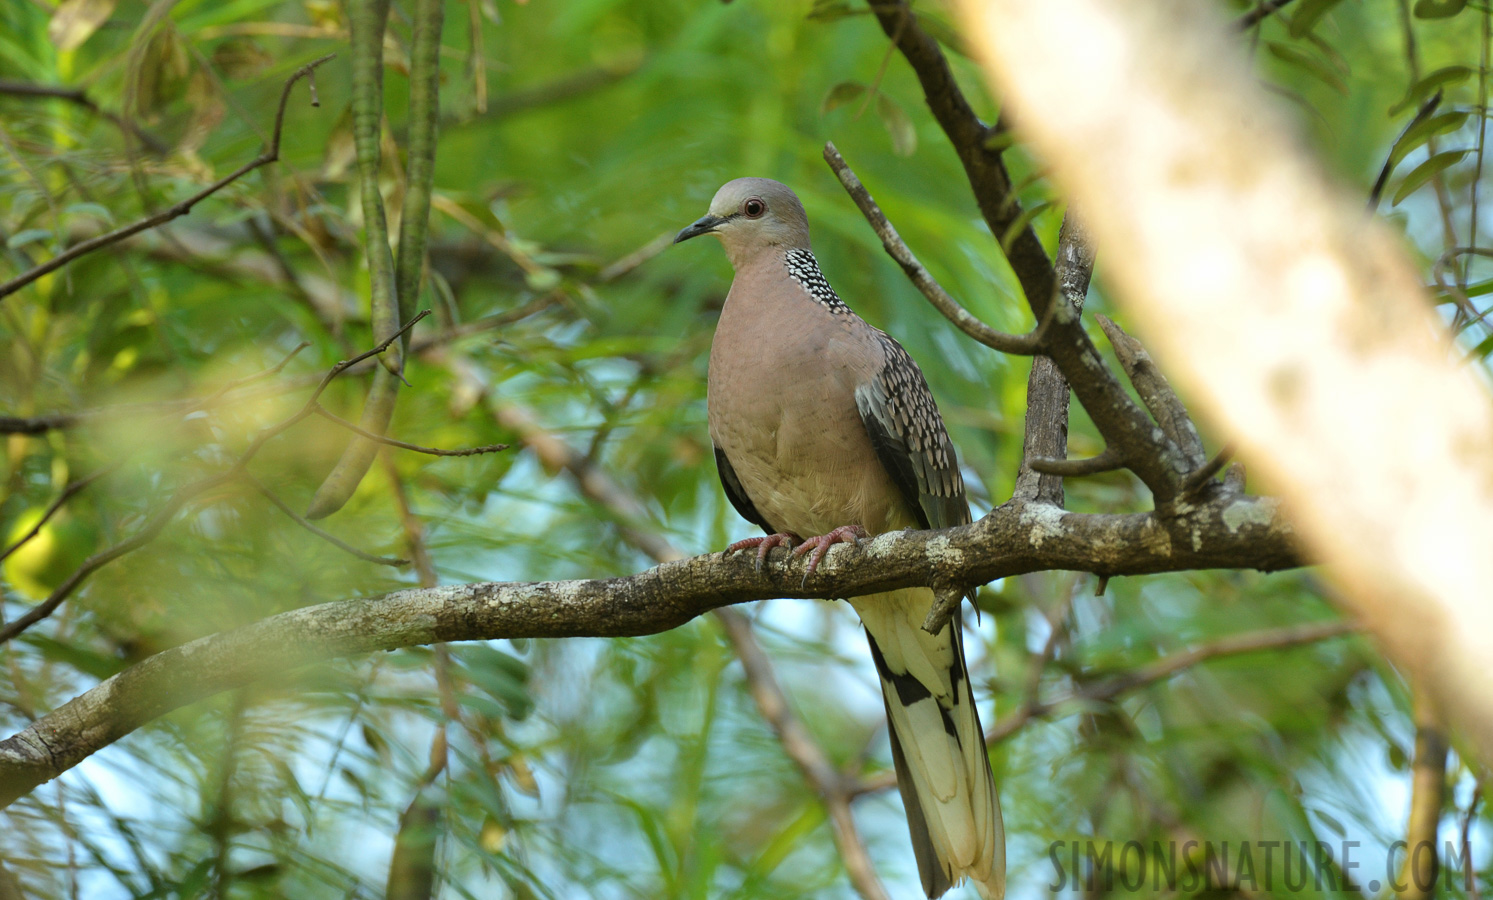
pixel 737 494
pixel 910 439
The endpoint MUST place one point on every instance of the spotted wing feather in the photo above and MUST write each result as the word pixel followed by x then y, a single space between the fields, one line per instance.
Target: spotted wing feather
pixel 910 439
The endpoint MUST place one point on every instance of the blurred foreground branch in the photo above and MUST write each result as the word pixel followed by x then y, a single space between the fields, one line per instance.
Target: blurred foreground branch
pixel 1332 374
pixel 1227 531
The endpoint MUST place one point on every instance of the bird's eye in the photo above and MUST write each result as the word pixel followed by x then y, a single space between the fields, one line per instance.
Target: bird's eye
pixel 753 208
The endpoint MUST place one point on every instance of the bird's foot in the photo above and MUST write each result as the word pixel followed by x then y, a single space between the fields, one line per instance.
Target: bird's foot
pixel 845 534
pixel 765 544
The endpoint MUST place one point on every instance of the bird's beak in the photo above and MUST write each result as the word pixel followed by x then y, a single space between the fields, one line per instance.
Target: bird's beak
pixel 703 225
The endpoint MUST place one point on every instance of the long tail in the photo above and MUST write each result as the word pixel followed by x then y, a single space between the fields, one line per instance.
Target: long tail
pixel 943 771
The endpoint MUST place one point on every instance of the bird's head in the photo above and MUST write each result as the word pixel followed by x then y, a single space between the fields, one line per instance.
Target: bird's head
pixel 750 215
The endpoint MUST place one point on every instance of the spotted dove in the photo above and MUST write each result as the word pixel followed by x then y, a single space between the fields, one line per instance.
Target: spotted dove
pixel 824 426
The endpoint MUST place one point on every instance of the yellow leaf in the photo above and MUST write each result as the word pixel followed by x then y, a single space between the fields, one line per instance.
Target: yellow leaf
pixel 522 775
pixel 493 836
pixel 76 20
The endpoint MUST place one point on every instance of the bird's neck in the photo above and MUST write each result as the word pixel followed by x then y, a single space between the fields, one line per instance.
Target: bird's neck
pixel 780 266
pixel 756 254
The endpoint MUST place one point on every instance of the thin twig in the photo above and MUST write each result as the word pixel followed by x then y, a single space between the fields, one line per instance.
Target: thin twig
pixel 1022 345
pixel 1259 14
pixel 1155 392
pixel 177 210
pixel 1457 290
pixel 80 97
pixel 1107 461
pixel 51 510
pixel 1207 472
pixel 631 261
pixel 428 451
pixel 1048 397
pixel 326 536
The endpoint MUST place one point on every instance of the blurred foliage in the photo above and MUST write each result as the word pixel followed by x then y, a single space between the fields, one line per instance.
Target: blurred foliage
pixel 575 138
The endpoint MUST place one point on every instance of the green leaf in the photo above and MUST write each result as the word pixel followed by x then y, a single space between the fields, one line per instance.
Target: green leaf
pixel 1334 58
pixel 1308 63
pixel 1423 132
pixel 1026 217
pixel 1443 77
pixel 944 33
pixel 1438 9
pixel 29 236
pixel 841 94
pixel 898 125
pixel 75 21
pixel 1423 173
pixel 830 10
pixel 1307 15
pixel 1331 822
pixel 503 676
pixel 1481 351
pixel 1480 288
pixel 82 658
pixel 95 210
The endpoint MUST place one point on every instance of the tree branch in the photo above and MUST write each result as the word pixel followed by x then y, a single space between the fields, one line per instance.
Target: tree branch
pixel 971 139
pixel 176 210
pixel 800 747
pixel 1156 460
pixel 1230 532
pixel 1045 434
pixel 1204 474
pixel 1155 391
pixel 1108 461
pixel 1022 345
pixel 80 97
pixel 403 445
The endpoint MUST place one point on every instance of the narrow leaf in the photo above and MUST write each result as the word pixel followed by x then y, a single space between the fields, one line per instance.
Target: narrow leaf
pixel 1420 133
pixel 830 10
pixel 945 34
pixel 898 125
pixel 1438 79
pixel 841 94
pixel 1307 15
pixel 29 236
pixel 1438 9
pixel 1423 173
pixel 1021 222
pixel 1308 63
pixel 75 21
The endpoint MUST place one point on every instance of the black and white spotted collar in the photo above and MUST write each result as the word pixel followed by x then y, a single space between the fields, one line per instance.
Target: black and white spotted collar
pixel 804 269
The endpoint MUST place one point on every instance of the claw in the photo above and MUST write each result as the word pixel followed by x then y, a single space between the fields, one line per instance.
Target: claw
pixel 765 544
pixel 845 534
